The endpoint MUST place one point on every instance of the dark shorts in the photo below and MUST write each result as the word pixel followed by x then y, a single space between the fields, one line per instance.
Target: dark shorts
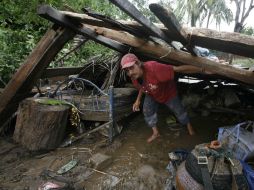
pixel 150 108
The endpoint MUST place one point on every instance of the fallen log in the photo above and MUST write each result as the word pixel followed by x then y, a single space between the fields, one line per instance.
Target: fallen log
pixel 229 42
pixel 167 54
pixel 40 126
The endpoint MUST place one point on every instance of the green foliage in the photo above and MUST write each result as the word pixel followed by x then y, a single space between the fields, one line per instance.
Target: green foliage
pixel 199 11
pixel 244 62
pixel 15 46
pixel 78 58
pixel 21 28
pixel 248 31
pixel 53 102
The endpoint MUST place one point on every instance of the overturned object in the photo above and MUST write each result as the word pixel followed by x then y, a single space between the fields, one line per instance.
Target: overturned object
pixel 40 126
pixel 223 170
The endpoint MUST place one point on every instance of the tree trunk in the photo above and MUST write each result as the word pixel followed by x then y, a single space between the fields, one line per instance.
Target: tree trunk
pixel 40 126
pixel 172 56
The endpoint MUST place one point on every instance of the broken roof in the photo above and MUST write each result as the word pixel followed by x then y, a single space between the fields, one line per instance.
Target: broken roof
pixel 141 37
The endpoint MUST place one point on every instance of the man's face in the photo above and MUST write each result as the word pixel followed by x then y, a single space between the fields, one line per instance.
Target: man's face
pixel 134 71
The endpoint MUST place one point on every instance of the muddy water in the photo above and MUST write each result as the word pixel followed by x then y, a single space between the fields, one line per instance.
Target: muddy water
pixel 135 164
pixel 140 165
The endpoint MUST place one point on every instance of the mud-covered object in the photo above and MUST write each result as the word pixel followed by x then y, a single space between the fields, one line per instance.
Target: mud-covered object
pixel 219 169
pixel 184 180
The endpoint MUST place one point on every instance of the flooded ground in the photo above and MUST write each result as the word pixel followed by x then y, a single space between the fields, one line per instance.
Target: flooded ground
pixel 134 163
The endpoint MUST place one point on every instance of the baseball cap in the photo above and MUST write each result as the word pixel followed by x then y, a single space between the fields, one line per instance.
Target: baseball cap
pixel 128 60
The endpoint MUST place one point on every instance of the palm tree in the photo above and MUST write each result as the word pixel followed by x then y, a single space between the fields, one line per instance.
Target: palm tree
pixel 193 9
pixel 219 11
pixel 198 10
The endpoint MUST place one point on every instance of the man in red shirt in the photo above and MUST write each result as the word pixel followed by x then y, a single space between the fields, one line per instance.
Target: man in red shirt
pixel 156 80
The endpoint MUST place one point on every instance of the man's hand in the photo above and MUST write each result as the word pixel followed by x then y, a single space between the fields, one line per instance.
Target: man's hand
pixel 136 105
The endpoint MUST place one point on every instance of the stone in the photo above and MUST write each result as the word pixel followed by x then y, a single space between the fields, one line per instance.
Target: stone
pixel 100 161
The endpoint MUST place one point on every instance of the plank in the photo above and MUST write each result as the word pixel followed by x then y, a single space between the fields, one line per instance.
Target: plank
pixel 170 21
pixel 167 54
pixel 56 16
pixel 230 42
pixel 24 79
pixel 132 11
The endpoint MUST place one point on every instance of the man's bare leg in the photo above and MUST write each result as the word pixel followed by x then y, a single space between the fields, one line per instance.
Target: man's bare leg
pixel 190 129
pixel 155 135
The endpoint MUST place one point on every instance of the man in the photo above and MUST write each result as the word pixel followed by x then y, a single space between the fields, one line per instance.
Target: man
pixel 156 80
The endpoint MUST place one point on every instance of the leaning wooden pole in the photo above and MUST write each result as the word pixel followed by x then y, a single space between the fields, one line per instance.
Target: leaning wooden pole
pixel 24 79
pixel 171 23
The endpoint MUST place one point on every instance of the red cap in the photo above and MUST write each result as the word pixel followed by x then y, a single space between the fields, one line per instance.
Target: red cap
pixel 128 60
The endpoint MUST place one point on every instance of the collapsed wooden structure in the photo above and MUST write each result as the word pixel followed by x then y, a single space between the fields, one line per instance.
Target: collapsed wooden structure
pixel 146 39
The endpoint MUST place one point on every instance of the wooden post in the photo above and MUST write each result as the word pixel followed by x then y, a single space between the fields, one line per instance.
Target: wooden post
pixel 40 126
pixel 24 79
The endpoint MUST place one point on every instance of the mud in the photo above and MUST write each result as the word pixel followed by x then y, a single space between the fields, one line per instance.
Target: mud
pixel 135 164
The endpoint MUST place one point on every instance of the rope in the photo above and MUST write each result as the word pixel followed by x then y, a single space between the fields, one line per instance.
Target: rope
pixel 169 51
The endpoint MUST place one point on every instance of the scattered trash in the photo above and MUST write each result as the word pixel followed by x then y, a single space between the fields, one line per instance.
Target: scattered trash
pixel 172 123
pixel 214 144
pixel 170 120
pixel 143 155
pixel 67 167
pixel 48 186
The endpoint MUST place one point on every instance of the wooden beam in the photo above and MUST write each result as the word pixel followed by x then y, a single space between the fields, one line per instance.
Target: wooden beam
pixel 229 42
pixel 56 16
pixel 170 21
pixel 132 11
pixel 24 79
pixel 61 71
pixel 169 54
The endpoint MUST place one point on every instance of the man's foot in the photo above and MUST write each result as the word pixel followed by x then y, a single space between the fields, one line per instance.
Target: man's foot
pixel 153 137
